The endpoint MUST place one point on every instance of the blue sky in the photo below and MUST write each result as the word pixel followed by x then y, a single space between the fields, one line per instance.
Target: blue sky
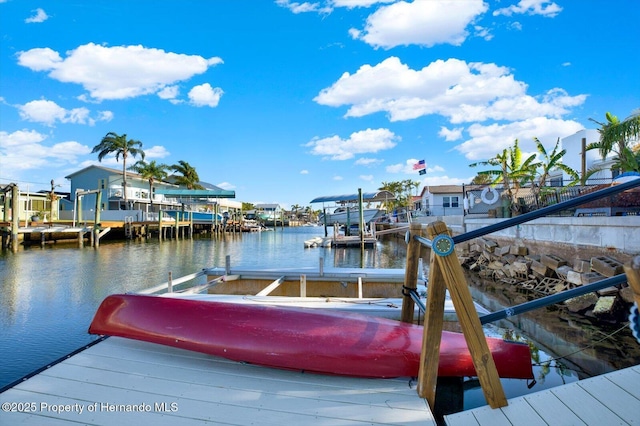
pixel 286 101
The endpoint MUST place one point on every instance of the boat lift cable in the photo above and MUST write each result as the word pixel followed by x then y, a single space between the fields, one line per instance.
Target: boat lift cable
pixel 593 344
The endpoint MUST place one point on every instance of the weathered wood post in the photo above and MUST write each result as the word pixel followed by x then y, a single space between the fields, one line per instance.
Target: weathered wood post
pixel 432 333
pixel 15 217
pixel 96 221
pixel 411 272
pixel 632 269
pixel 191 225
pixel 446 263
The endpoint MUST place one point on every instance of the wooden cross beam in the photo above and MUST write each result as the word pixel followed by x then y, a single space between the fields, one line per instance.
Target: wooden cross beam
pixel 446 272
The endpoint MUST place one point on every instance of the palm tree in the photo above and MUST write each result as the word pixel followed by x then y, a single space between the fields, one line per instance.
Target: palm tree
pixel 188 176
pixel 402 190
pixel 513 172
pixel 151 171
pixel 294 209
pixel 481 179
pixel 629 161
pixel 550 162
pixel 121 146
pixel 615 135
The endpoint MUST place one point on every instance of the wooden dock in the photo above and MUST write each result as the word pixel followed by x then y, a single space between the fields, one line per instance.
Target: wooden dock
pixel 354 241
pixel 608 399
pixel 121 381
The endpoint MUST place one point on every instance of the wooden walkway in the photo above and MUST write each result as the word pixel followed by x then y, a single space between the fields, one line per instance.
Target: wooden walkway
pixel 609 399
pixel 121 381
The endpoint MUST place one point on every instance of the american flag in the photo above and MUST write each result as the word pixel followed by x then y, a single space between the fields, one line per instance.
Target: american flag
pixel 419 165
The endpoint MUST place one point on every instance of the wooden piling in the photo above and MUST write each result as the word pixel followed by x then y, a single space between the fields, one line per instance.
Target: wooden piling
pixel 411 272
pixel 15 217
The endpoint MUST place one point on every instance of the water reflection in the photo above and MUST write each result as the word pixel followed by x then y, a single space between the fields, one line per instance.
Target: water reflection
pixel 48 295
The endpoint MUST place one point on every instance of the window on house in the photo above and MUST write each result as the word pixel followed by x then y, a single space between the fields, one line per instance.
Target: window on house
pixel 615 173
pixel 450 202
pixel 556 181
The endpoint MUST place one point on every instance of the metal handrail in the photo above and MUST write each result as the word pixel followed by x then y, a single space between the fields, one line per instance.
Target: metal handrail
pixel 526 217
pixel 554 298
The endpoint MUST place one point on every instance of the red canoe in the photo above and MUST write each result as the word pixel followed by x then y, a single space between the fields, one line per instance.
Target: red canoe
pixel 296 338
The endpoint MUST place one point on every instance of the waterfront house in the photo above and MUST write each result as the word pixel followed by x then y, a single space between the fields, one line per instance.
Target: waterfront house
pixel 33 206
pixel 442 200
pixel 140 203
pixel 581 160
pixel 109 182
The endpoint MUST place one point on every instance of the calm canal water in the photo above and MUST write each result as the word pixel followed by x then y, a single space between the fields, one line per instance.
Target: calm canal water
pixel 48 295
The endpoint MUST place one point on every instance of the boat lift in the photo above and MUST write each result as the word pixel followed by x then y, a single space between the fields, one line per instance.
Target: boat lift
pixel 360 198
pixel 446 272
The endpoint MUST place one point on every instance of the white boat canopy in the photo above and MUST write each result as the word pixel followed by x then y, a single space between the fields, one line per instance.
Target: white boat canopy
pixel 379 196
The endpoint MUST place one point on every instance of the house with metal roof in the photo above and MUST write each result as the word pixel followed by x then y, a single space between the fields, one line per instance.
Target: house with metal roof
pixel 140 201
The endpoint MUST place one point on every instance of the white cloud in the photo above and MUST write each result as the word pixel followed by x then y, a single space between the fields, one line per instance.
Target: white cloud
pixel 350 4
pixel 453 88
pixel 367 178
pixel 118 72
pixel 205 95
pixel 303 7
pixel 545 8
pixel 40 59
pixel 48 113
pixel 24 150
pixel 105 116
pixel 40 16
pixel 169 92
pixel 451 134
pixel 19 138
pixel 445 180
pixel 226 186
pixel 304 172
pixel 424 23
pixel 488 140
pixel 368 161
pixel 483 33
pixel 362 142
pixel 156 151
pixel 338 178
pixel 68 151
pixel 482 93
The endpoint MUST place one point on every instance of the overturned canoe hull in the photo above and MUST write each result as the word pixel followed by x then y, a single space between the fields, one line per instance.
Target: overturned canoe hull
pixel 390 308
pixel 294 338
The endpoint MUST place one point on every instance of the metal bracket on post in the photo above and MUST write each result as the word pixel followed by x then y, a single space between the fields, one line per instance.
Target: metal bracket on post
pixel 442 245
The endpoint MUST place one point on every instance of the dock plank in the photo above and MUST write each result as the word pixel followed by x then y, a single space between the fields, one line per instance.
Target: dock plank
pixel 521 409
pixel 618 401
pixel 611 399
pixel 550 408
pixel 585 406
pixel 121 372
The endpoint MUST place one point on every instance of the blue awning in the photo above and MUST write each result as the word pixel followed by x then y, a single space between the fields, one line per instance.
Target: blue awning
pixel 196 193
pixel 366 196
